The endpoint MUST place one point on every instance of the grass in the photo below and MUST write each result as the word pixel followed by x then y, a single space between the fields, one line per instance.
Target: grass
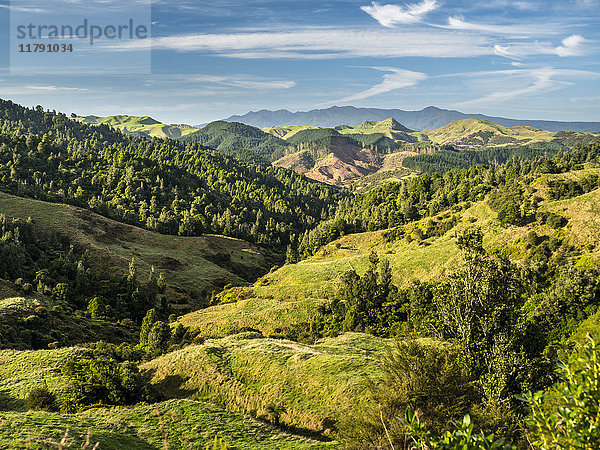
pixel 22 371
pixel 312 385
pixel 186 422
pixel 456 132
pixel 186 425
pixel 193 266
pixel 287 131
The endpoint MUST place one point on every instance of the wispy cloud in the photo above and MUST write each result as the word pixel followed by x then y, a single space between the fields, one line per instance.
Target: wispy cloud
pixel 38 89
pixel 458 23
pixel 24 10
pixel 571 46
pixel 396 79
pixel 322 43
pixel 390 15
pixel 242 82
pixel 532 82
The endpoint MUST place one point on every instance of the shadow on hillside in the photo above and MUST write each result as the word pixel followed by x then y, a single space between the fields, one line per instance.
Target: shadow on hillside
pixel 8 403
pixel 171 387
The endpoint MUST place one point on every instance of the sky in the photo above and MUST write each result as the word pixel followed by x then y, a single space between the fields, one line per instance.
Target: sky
pixel 209 60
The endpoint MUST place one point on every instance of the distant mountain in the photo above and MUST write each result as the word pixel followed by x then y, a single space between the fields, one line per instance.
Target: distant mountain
pixel 143 126
pixel 428 118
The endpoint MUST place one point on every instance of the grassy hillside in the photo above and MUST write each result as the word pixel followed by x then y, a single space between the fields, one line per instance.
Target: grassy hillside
pixel 286 132
pixel 186 423
pixel 290 294
pixel 310 385
pixel 482 133
pixel 193 266
pixel 22 371
pixel 140 126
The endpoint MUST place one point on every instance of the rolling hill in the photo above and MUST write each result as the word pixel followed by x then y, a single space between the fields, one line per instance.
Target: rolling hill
pixel 143 126
pixel 478 133
pixel 193 266
pixel 291 294
pixel 237 139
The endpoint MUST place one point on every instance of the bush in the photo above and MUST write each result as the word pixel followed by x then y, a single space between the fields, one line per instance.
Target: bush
pixel 41 399
pixel 416 377
pixel 568 414
pixel 555 221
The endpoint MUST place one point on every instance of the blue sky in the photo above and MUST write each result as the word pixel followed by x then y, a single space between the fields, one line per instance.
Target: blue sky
pixel 522 59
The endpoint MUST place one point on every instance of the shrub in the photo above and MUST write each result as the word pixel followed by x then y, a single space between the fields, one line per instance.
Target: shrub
pixel 555 221
pixel 568 414
pixel 41 399
pixel 416 377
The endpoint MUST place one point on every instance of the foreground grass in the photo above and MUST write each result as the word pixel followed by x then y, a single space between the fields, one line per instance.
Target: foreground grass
pixel 307 388
pixel 185 424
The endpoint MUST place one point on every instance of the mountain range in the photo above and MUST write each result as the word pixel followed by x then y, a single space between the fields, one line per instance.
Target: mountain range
pixel 427 118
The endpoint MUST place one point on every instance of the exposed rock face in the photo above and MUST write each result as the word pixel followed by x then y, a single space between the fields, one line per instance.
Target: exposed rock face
pixel 342 160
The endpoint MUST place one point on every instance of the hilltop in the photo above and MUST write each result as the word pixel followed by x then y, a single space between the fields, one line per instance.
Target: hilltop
pixel 476 133
pixel 243 141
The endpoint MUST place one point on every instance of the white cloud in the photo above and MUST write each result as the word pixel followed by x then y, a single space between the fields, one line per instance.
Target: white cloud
pixel 37 89
pixel 571 46
pixel 522 50
pixel 524 82
pixel 323 43
pixel 396 79
pixel 243 82
pixel 458 23
pixel 24 10
pixel 390 15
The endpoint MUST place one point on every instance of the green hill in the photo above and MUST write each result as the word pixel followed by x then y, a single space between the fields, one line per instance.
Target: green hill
pixel 285 300
pixel 144 126
pixel 242 141
pixel 474 133
pixel 253 374
pixel 193 266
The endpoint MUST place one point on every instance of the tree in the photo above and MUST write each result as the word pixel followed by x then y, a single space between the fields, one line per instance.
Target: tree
pixel 41 399
pixel 149 320
pixel 158 338
pixel 96 308
pixel 478 307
